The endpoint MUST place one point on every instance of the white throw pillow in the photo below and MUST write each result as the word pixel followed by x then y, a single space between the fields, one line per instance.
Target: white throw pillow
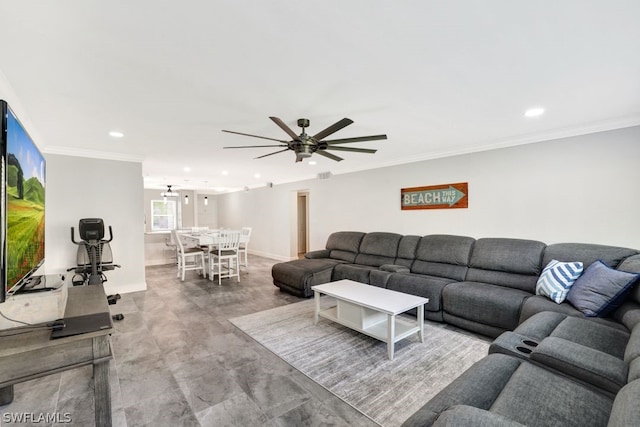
pixel 557 278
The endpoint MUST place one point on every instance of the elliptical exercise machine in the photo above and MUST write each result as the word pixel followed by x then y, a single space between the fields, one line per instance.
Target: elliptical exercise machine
pixel 94 256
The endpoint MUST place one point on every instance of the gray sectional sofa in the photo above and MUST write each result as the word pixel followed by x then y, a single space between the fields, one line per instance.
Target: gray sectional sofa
pixel 550 365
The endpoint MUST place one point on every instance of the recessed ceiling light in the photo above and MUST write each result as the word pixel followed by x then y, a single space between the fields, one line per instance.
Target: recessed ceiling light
pixel 256 175
pixel 116 134
pixel 187 169
pixel 534 112
pixel 313 162
pixel 225 172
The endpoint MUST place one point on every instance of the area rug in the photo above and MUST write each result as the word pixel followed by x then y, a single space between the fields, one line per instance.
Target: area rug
pixel 356 368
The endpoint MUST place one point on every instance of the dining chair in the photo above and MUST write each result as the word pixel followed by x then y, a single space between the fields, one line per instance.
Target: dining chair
pixel 172 248
pixel 188 258
pixel 226 252
pixel 245 235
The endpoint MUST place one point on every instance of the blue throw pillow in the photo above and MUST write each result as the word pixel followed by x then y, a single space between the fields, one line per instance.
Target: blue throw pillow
pixel 600 289
pixel 557 278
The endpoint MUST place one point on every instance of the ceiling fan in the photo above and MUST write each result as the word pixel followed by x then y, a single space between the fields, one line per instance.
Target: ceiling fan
pixel 305 145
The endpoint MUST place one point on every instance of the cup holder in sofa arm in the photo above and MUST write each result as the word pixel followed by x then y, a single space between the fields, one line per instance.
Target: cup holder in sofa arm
pixel 513 344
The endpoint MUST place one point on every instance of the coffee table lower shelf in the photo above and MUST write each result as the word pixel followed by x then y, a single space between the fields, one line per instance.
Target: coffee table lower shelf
pixel 378 329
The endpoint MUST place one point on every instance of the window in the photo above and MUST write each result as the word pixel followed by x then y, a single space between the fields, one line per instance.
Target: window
pixel 163 215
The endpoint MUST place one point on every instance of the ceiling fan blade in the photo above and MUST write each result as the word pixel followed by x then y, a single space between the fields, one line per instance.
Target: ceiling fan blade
pixel 356 150
pixel 357 139
pixel 271 154
pixel 333 128
pixel 255 136
pixel 255 146
pixel 285 128
pixel 329 155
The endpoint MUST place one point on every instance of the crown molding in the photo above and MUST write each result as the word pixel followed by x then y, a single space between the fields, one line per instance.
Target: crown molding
pixel 554 134
pixel 94 154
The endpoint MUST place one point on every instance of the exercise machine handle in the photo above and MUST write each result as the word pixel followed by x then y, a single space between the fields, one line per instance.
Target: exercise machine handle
pixel 110 236
pixel 73 237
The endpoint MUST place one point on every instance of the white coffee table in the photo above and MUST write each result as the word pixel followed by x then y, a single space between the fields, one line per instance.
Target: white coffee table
pixel 371 310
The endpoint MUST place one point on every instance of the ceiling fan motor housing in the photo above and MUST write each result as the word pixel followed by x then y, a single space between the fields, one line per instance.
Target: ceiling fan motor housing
pixel 303 151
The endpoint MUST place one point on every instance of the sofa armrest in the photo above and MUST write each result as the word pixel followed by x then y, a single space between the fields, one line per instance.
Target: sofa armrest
pixel 422 417
pixel 322 253
pixel 625 411
pixel 469 416
pixel 587 364
pixel 478 386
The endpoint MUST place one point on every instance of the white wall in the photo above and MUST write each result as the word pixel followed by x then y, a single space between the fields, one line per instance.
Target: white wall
pixel 78 187
pixel 578 189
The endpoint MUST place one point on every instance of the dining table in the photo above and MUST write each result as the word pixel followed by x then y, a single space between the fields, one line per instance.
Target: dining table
pixel 208 238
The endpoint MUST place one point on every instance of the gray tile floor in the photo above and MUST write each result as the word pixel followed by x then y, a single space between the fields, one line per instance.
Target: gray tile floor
pixel 179 362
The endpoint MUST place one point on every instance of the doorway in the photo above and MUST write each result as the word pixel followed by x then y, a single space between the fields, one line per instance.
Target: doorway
pixel 303 223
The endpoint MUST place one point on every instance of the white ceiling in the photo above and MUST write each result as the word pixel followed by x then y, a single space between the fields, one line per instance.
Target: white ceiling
pixel 438 77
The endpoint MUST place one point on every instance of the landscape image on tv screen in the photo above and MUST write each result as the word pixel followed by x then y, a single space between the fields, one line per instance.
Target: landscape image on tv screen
pixel 25 174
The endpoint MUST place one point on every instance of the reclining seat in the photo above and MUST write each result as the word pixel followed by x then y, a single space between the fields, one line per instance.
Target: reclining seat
pixel 501 390
pixel 376 249
pixel 502 274
pixel 605 355
pixel 297 276
pixel 590 352
pixel 440 259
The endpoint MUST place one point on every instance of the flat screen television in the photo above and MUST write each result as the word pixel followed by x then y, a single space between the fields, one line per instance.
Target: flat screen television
pixel 22 204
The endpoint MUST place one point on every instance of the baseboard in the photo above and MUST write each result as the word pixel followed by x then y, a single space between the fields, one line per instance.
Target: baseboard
pixel 111 289
pixel 271 256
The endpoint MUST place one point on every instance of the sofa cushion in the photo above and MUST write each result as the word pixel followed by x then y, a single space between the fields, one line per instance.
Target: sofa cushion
pixel 443 256
pixel 557 278
pixel 586 253
pixel 344 245
pixel 378 248
pixel 538 304
pixel 600 289
pixel 535 396
pixel 484 303
pixel 355 272
pixel 593 335
pixel 393 268
pixel 514 263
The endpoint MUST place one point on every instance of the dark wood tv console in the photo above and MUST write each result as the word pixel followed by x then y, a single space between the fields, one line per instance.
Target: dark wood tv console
pixel 34 355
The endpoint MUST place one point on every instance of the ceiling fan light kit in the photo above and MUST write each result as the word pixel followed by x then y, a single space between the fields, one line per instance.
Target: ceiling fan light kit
pixel 305 145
